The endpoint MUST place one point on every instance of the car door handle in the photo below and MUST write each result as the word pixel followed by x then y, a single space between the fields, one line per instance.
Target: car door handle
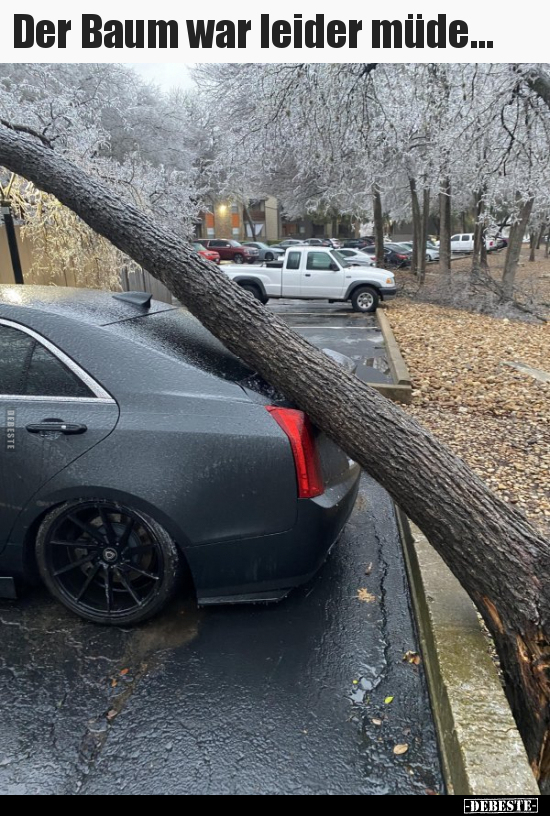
pixel 308 275
pixel 57 426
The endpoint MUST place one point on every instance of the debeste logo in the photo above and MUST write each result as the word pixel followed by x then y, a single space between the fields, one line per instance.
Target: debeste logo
pixel 10 429
pixel 502 805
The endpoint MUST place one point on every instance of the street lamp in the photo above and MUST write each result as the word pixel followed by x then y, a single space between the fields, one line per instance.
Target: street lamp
pixel 5 211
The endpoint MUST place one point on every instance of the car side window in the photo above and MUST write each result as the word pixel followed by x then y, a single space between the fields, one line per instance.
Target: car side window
pixel 293 260
pixel 28 369
pixel 455 238
pixel 465 237
pixel 319 260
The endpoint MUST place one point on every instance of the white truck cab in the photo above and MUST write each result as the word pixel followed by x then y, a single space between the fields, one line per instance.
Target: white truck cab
pixel 464 242
pixel 316 273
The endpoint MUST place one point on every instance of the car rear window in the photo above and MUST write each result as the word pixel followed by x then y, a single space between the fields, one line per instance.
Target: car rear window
pixel 179 335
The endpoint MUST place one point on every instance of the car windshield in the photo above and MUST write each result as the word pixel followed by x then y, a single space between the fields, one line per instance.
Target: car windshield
pixel 235 243
pixel 258 245
pixel 198 247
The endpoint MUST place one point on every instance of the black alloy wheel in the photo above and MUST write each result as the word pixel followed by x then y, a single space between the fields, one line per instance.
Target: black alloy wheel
pixel 108 563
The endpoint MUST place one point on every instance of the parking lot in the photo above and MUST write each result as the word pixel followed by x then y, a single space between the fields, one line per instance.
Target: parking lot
pixel 310 696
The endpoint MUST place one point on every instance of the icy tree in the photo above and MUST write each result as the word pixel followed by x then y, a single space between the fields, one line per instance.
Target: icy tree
pixel 115 127
pixel 354 138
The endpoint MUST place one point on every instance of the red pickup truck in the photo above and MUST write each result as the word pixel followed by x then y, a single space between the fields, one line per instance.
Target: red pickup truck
pixel 229 250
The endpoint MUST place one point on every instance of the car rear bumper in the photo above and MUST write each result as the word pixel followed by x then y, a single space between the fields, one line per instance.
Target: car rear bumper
pixel 269 567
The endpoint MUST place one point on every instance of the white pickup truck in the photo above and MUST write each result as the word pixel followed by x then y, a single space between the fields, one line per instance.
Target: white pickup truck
pixel 319 273
pixel 464 242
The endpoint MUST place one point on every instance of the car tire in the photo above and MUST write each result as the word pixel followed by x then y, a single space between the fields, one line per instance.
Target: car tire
pixel 269 256
pixel 428 259
pixel 239 259
pixel 255 291
pixel 365 299
pixel 107 563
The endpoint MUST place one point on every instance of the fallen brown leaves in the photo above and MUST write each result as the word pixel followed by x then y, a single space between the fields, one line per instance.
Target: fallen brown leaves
pixel 493 416
pixel 365 596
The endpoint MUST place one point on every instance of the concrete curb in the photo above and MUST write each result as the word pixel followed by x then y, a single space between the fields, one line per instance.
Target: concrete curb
pixel 400 390
pixel 482 751
pixel 398 366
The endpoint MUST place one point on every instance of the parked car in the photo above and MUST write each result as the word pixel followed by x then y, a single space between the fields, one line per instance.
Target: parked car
pixel 230 250
pixel 208 254
pixel 464 242
pixel 266 252
pixel 288 242
pixel 357 243
pixel 324 242
pixel 317 273
pixel 125 424
pixel 399 255
pixel 432 252
pixel 393 255
pixel 355 257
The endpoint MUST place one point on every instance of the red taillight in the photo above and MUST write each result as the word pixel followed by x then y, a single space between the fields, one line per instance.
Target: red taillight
pixel 298 428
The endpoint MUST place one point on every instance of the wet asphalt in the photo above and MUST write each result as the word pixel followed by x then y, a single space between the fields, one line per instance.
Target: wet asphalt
pixel 292 698
pixel 337 327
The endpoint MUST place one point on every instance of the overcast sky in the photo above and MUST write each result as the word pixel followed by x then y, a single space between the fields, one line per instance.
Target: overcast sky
pixel 166 74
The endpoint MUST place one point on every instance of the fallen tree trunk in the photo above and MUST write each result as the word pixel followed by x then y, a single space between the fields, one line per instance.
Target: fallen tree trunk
pixel 498 557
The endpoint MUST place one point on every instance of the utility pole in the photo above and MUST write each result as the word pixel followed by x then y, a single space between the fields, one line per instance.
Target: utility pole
pixel 5 210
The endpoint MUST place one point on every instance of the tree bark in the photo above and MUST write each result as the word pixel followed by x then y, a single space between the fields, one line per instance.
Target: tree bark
pixel 249 221
pixel 378 218
pixel 540 84
pixel 478 256
pixel 445 227
pixel 417 226
pixel 495 553
pixel 532 244
pixel 424 233
pixel 517 231
pixel 483 262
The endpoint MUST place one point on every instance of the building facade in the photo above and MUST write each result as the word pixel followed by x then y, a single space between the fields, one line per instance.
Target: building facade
pixel 260 220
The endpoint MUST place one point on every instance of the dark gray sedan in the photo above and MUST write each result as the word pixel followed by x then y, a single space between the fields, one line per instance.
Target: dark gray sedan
pixel 136 448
